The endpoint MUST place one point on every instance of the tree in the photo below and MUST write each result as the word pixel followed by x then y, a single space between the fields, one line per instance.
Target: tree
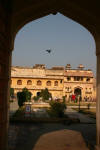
pixel 11 92
pixel 28 94
pixel 24 96
pixel 45 94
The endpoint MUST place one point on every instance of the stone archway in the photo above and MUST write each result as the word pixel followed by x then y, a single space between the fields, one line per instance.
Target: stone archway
pixel 77 91
pixel 14 15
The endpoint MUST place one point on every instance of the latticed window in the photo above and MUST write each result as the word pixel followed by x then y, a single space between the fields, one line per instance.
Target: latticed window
pixel 48 83
pixel 39 82
pixel 56 83
pixel 19 82
pixel 29 82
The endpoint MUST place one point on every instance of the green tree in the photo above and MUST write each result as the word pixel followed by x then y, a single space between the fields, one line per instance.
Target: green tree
pixel 11 92
pixel 24 96
pixel 28 94
pixel 45 94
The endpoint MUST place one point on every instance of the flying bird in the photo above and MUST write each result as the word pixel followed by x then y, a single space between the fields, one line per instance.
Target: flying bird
pixel 48 50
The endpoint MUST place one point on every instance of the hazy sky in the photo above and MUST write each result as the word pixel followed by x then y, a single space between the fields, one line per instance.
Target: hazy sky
pixel 69 41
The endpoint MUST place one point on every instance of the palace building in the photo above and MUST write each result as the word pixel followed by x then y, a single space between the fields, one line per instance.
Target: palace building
pixel 60 81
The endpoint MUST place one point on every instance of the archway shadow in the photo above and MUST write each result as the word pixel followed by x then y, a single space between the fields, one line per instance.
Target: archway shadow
pixel 25 136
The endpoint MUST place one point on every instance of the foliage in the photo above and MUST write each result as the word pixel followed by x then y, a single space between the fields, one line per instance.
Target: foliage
pixel 11 92
pixel 24 96
pixel 28 94
pixel 64 99
pixel 45 94
pixel 57 108
pixel 36 98
pixel 20 112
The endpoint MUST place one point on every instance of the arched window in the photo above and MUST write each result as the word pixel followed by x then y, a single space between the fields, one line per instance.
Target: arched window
pixel 19 82
pixel 38 93
pixel 29 82
pixel 48 83
pixel 88 79
pixel 61 81
pixel 39 82
pixel 56 83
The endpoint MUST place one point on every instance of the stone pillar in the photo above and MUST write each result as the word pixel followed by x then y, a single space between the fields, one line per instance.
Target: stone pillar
pixel 5 64
pixel 98 96
pixel 5 58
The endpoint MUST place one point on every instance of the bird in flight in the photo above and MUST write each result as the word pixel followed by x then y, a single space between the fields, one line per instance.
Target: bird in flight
pixel 48 50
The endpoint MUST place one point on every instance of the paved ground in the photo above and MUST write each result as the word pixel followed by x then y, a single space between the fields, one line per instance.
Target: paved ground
pixel 13 107
pixel 25 136
pixel 83 118
pixel 69 111
pixel 82 106
pixel 61 140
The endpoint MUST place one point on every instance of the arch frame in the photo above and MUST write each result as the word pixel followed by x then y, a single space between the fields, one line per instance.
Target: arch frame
pixel 15 14
pixel 30 11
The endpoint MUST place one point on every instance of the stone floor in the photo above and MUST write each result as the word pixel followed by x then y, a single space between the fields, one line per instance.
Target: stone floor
pixel 13 107
pixel 29 136
pixel 25 136
pixel 61 140
pixel 82 117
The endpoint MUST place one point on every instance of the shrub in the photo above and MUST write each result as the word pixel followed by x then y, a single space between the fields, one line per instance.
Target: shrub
pixel 57 109
pixel 45 94
pixel 36 98
pixel 20 112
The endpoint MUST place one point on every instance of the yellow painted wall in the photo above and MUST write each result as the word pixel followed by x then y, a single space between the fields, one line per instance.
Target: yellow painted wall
pixel 45 75
pixel 56 91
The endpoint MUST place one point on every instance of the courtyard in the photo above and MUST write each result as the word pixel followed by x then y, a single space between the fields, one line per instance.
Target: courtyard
pixel 25 136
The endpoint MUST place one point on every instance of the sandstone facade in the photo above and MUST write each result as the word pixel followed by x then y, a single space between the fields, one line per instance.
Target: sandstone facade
pixel 59 80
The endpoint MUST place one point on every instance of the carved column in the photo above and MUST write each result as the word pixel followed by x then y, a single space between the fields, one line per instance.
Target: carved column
pixel 5 64
pixel 98 95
